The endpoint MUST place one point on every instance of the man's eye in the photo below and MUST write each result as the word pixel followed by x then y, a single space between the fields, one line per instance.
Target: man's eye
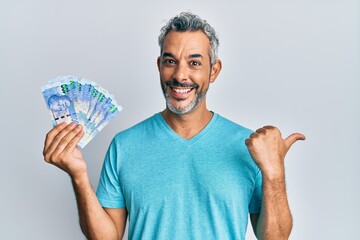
pixel 195 63
pixel 168 61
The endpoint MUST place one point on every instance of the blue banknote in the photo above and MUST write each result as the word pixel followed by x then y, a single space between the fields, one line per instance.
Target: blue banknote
pixel 79 100
pixel 94 129
pixel 60 106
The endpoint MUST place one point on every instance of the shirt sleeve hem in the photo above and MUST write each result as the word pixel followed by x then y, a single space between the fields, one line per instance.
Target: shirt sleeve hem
pixel 111 204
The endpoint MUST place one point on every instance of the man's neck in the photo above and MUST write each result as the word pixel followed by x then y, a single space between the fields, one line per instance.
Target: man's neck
pixel 190 124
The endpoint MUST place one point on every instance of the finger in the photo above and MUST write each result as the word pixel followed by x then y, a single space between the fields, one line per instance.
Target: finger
pixel 66 140
pixel 254 135
pixel 290 140
pixel 56 140
pixel 72 144
pixel 51 134
pixel 248 141
pixel 260 130
pixel 274 131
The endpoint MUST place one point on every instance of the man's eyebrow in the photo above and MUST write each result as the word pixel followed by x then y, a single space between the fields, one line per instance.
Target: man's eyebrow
pixel 196 55
pixel 167 54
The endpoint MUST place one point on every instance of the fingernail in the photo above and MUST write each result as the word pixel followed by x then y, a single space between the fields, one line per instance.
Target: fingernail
pixel 78 126
pixel 72 124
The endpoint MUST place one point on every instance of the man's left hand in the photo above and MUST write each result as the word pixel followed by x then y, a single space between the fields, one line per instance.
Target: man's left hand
pixel 268 149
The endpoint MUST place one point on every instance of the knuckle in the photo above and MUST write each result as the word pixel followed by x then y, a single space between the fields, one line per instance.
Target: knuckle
pixel 48 135
pixel 57 138
pixel 268 131
pixel 268 127
pixel 70 145
pixel 273 128
pixel 62 160
pixel 47 157
pixel 260 130
pixel 249 142
pixel 62 143
pixel 276 132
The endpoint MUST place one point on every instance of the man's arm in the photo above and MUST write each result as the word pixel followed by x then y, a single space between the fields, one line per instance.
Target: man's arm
pixel 268 150
pixel 274 220
pixel 97 222
pixel 60 150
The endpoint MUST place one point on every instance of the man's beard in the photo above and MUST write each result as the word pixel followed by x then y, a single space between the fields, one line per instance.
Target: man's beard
pixel 199 96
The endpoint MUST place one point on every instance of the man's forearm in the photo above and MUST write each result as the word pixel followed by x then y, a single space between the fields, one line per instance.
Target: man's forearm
pixel 275 221
pixel 95 223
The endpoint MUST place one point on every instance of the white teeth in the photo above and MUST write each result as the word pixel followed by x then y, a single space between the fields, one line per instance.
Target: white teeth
pixel 182 90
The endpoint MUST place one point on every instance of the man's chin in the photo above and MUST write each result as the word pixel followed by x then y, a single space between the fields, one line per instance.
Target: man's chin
pixel 179 106
pixel 180 110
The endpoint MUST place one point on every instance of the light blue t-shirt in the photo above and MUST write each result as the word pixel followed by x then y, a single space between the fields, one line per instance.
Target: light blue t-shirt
pixel 173 188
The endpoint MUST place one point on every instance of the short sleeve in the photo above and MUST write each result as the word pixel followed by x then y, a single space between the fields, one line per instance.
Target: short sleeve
pixel 256 199
pixel 109 192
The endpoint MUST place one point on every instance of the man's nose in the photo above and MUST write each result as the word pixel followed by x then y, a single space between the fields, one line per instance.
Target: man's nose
pixel 181 72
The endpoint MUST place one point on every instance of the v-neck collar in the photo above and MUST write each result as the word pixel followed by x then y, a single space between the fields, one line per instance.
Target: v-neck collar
pixel 177 137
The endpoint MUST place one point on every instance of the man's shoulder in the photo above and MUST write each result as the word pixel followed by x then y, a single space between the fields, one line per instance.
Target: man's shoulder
pixel 139 129
pixel 232 127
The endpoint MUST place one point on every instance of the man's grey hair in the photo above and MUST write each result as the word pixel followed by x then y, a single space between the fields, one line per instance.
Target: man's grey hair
pixel 187 21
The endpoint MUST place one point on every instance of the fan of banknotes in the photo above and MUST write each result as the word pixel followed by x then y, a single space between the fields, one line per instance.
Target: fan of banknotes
pixel 79 100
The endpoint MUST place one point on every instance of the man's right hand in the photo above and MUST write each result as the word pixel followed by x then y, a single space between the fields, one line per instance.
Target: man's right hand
pixel 60 149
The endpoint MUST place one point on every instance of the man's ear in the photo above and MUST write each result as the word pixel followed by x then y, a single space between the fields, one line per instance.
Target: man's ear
pixel 158 63
pixel 215 70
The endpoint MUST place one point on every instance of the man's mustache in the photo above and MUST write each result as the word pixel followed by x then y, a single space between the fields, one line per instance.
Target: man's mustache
pixel 184 85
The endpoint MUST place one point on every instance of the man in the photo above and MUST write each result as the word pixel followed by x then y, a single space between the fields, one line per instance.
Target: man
pixel 187 172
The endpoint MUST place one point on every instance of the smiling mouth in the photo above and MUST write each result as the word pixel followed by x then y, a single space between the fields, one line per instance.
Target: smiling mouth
pixel 181 90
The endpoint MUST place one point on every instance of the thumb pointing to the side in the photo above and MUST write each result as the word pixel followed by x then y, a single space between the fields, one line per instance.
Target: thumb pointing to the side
pixel 290 140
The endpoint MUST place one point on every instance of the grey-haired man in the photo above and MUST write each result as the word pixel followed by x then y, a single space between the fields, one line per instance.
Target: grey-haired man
pixel 186 172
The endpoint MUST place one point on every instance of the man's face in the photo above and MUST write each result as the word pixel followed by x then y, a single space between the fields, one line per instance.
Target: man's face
pixel 185 71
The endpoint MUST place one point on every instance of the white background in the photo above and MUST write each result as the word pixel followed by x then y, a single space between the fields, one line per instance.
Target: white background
pixel 292 64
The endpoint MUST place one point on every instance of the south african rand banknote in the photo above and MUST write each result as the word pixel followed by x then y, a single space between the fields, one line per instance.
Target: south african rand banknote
pixel 79 100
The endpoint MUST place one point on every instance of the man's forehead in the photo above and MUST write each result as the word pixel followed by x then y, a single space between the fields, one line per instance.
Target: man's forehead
pixel 193 41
